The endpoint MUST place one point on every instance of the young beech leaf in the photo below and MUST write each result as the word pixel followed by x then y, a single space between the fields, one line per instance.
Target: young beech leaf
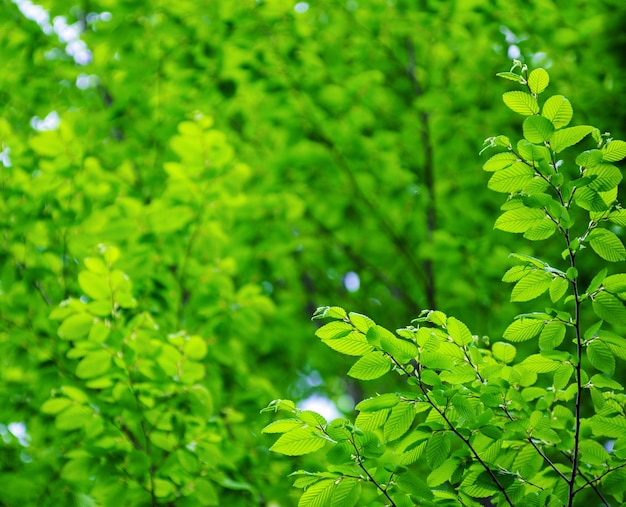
pixel 376 403
pixel 537 363
pixel 318 494
pixel 552 335
pixel 612 427
pixel 353 344
pixel 437 449
pixel 558 288
pixel 282 426
pixel 399 421
pixel 607 245
pixel 604 177
pixel 458 331
pixel 371 366
pixel 590 200
pixel 510 76
pixel 519 220
pixel 567 137
pixel 609 308
pixel 538 80
pixel 596 281
pixel 504 352
pixel 511 179
pixel 521 102
pixel 531 286
pixel 299 441
pixel 558 110
pixel 614 151
pixel 523 329
pixel 589 158
pixel 615 283
pixel 499 161
pixel 601 357
pixel 537 129
pixel 94 364
pixel 542 230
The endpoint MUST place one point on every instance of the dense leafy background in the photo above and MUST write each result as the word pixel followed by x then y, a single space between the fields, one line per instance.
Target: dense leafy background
pixel 235 160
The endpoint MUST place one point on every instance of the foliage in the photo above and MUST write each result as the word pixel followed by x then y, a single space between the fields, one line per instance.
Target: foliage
pixel 213 170
pixel 493 419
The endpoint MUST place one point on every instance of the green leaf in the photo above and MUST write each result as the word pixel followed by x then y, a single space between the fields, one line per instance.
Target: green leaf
pixel 602 381
pixel 523 329
pixel 333 330
pixel 376 403
pixel 612 427
pixel 401 350
pixel 362 322
pixel 567 137
pixel 94 285
pixel 334 312
pixel 591 200
pixel 552 335
pixel 531 286
pixel 318 495
pixel 311 418
pixel 618 217
pixel 558 110
pixel 76 326
pixel 615 283
pixel 589 158
pixel 593 453
pixel 73 418
pixel 596 281
pixel 282 426
pixel 195 348
pixel 371 366
pixel 537 129
pixel 504 352
pixel 399 421
pixel 609 308
pixel 607 245
pixel 532 153
pixel 542 230
pixel 510 76
pixel 352 344
pixel 519 219
pixel 512 179
pixel 94 364
pixel 521 102
pixel 443 473
pixel 55 405
pixel 601 357
pixel 499 161
pixel 538 80
pixel 561 377
pixel 537 363
pixel 558 288
pixel 205 492
pixel 299 441
pixel 614 151
pixel 606 177
pixel 414 485
pixel 437 449
pixel 458 331
pixel 346 493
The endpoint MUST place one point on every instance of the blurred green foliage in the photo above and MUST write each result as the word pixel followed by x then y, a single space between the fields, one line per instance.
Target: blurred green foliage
pixel 231 162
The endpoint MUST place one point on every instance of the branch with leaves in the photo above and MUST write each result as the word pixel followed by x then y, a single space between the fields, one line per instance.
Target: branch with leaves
pixel 481 417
